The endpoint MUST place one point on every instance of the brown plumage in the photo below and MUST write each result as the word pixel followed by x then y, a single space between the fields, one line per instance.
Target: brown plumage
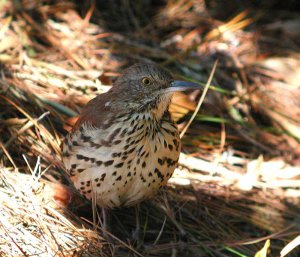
pixel 125 146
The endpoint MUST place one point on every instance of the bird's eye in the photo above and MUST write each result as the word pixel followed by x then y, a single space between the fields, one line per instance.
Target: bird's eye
pixel 146 81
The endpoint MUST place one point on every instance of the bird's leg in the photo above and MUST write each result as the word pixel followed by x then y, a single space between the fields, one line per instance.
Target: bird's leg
pixel 137 233
pixel 104 218
pixel 105 222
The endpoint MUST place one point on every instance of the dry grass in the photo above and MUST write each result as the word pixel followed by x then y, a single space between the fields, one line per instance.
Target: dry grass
pixel 32 224
pixel 238 180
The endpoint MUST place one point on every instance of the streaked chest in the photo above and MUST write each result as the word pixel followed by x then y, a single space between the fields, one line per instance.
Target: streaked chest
pixel 124 162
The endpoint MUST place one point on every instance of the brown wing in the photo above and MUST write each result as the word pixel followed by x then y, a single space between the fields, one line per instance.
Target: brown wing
pixel 96 112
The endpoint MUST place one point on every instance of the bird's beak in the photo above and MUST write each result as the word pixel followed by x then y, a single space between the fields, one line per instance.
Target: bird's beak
pixel 178 85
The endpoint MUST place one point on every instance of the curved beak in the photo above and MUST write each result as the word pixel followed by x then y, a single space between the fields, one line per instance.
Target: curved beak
pixel 178 85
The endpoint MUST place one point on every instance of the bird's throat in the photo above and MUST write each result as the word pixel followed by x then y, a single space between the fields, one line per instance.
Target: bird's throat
pixel 162 105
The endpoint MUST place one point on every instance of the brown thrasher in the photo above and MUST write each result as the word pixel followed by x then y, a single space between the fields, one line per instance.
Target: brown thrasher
pixel 125 146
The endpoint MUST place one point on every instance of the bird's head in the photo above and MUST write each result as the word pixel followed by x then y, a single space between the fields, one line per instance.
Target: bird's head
pixel 146 86
pixel 143 88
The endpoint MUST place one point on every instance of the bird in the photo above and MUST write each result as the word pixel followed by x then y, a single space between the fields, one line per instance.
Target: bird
pixel 125 146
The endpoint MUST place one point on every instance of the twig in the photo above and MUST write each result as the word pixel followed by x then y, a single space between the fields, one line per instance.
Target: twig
pixel 7 154
pixel 290 246
pixel 28 125
pixel 200 100
pixel 160 232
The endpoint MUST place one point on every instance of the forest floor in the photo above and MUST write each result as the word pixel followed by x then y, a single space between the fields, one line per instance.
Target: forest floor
pixel 237 187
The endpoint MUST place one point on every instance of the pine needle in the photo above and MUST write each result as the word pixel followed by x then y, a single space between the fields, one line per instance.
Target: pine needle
pixel 200 100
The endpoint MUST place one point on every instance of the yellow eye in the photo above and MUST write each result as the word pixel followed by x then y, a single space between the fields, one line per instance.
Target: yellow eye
pixel 146 81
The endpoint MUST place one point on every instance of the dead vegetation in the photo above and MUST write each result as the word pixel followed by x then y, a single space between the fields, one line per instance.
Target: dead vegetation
pixel 238 181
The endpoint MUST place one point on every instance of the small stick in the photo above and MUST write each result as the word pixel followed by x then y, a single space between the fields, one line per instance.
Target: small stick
pixel 200 100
